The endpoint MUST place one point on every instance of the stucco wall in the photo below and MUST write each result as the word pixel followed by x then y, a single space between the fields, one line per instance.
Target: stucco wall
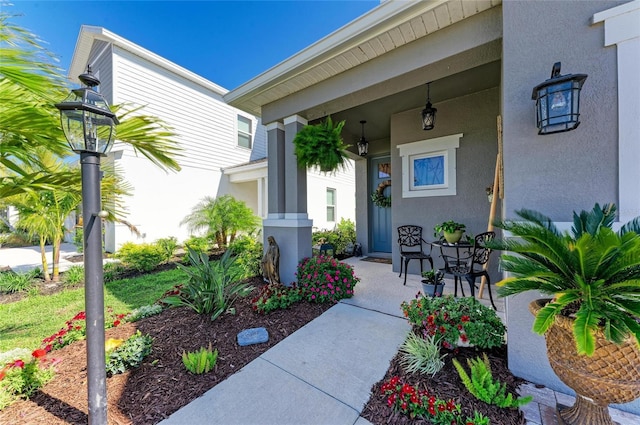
pixel 475 117
pixel 564 171
pixel 559 173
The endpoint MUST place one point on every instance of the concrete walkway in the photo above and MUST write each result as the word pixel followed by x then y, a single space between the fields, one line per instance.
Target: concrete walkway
pixel 27 258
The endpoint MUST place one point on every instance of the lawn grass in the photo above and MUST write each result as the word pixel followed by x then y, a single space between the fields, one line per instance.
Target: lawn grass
pixel 27 322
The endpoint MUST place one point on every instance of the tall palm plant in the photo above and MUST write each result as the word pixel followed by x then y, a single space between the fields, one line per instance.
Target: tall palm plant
pixel 30 85
pixel 593 273
pixel 221 218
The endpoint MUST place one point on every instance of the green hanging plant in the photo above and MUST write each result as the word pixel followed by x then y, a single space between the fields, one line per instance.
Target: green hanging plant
pixel 321 145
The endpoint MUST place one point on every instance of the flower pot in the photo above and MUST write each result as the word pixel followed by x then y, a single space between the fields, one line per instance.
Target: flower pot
pixel 432 290
pixel 452 237
pixel 611 375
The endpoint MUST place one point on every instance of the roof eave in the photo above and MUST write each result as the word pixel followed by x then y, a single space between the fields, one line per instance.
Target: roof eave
pixel 370 24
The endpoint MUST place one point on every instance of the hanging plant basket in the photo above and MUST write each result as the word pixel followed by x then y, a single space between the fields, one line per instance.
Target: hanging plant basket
pixel 321 145
pixel 378 197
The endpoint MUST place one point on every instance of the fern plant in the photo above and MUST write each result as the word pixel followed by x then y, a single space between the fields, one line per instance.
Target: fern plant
pixel 482 385
pixel 421 355
pixel 201 361
pixel 321 145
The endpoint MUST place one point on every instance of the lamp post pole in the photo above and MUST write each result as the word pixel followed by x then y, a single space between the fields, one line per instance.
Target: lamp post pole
pixel 88 125
pixel 94 293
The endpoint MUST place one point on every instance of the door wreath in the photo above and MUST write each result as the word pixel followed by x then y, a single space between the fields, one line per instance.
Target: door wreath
pixel 378 198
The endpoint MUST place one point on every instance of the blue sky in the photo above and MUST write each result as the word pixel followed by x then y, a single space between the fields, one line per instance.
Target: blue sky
pixel 227 42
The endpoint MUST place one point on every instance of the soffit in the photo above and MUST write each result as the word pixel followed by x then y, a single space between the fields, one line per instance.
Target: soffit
pixel 389 26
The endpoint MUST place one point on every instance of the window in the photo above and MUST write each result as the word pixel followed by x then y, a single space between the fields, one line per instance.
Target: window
pixel 244 132
pixel 429 167
pixel 331 204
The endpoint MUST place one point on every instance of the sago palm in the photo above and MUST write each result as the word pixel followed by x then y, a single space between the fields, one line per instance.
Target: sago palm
pixel 593 273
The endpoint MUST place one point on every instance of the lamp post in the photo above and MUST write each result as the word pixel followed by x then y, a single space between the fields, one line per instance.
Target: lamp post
pixel 88 125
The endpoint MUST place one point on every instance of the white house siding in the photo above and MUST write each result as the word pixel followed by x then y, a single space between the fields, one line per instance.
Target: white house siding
pixel 344 184
pixel 206 131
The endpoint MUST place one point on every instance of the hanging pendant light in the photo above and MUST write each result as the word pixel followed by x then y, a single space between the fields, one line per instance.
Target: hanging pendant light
pixel 363 145
pixel 428 113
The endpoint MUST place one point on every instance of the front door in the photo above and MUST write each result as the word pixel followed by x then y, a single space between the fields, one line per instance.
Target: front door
pixel 380 180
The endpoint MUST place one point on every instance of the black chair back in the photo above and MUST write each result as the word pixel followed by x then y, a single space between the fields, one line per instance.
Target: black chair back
pixel 480 251
pixel 410 238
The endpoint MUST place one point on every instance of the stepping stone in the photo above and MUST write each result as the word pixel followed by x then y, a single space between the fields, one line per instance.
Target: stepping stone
pixel 253 336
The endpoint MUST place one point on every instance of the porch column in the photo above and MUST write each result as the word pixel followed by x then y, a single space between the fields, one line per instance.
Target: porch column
pixel 287 220
pixel 275 170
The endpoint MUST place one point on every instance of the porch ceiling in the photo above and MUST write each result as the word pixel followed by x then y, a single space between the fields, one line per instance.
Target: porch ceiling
pixel 387 27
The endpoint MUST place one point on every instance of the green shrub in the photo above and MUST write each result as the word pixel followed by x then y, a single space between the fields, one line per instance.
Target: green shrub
pixel 325 279
pixel 248 253
pixel 276 296
pixel 343 235
pixel 421 354
pixel 457 321
pixel 129 355
pixel 482 385
pixel 168 247
pixel 113 270
pixel 201 361
pixel 144 311
pixel 11 282
pixel 142 257
pixel 198 244
pixel 73 276
pixel 213 286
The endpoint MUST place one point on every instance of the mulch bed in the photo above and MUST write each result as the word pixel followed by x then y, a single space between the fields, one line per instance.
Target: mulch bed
pixel 161 385
pixel 446 385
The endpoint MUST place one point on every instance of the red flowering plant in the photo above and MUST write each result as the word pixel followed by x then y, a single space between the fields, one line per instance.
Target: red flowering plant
pixel 325 279
pixel 21 377
pixel 456 321
pixel 76 329
pixel 276 296
pixel 412 402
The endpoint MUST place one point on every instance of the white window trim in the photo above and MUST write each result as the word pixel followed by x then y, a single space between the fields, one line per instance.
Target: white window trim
pixel 250 134
pixel 445 146
pixel 334 205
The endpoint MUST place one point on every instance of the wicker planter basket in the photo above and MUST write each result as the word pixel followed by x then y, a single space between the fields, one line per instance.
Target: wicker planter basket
pixel 611 375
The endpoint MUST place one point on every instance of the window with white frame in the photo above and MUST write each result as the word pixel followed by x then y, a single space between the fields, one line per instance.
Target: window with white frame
pixel 429 167
pixel 331 204
pixel 244 132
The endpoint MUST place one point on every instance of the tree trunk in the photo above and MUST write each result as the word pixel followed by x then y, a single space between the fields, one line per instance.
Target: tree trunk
pixel 56 260
pixel 43 255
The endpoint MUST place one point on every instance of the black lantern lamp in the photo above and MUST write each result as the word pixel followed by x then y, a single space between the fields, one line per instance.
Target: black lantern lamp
pixel 363 145
pixel 86 119
pixel 88 125
pixel 428 113
pixel 558 102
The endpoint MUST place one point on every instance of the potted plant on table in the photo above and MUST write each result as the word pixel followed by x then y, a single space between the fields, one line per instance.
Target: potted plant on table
pixel 592 323
pixel 433 283
pixel 451 230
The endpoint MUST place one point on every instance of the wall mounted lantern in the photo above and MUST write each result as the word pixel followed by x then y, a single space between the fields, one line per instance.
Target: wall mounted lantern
pixel 89 126
pixel 428 113
pixel 363 145
pixel 558 102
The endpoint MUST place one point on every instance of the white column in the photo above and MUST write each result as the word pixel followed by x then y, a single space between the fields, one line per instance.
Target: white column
pixel 622 28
